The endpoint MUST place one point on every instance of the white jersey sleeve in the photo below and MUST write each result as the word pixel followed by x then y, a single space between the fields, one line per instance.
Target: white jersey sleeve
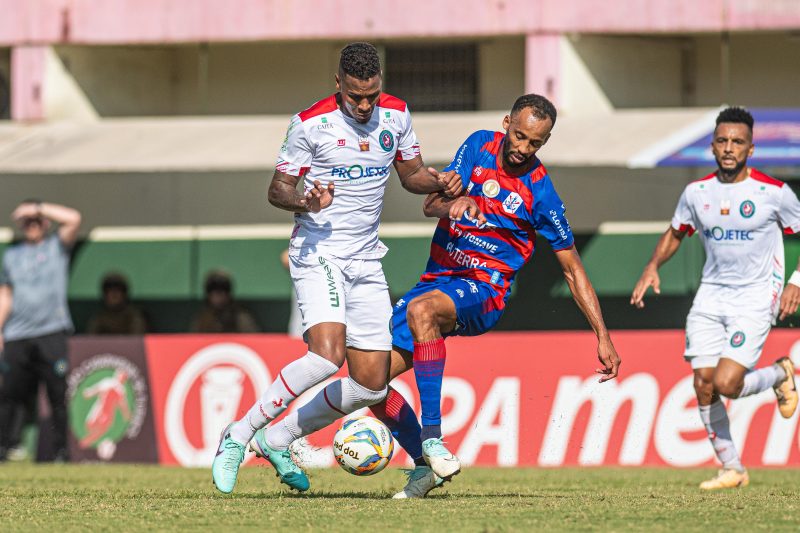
pixel 407 143
pixel 683 219
pixel 789 212
pixel 296 151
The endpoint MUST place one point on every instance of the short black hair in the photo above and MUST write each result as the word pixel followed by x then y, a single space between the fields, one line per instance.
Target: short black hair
pixel 115 280
pixel 360 60
pixel 218 280
pixel 736 115
pixel 540 106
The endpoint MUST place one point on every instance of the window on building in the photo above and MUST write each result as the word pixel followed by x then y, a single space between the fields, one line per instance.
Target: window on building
pixel 433 77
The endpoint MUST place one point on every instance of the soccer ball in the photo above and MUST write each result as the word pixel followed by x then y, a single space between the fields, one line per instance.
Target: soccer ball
pixel 363 446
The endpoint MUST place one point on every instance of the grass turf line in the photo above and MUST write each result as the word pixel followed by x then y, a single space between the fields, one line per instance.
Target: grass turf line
pixel 138 498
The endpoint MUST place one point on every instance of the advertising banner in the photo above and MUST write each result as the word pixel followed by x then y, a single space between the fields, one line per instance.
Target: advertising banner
pixel 108 397
pixel 508 399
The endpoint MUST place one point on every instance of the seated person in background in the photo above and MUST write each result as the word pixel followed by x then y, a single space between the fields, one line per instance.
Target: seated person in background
pixel 118 316
pixel 221 314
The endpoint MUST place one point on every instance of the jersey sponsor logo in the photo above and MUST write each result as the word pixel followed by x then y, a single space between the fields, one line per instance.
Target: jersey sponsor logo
pixel 333 292
pixel 363 143
pixel 721 234
pixel 387 140
pixel 472 287
pixel 460 293
pixel 387 118
pixel 472 239
pixel 737 339
pixel 325 125
pixel 512 203
pixel 341 142
pixel 478 171
pixel 558 225
pixel 747 209
pixel 461 258
pixel 355 172
pixel 725 207
pixel 459 158
pixel 285 144
pixel 491 188
pixel 495 277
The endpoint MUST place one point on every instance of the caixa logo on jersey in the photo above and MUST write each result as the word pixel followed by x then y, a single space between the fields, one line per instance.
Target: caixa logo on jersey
pixel 107 398
pixel 355 172
pixel 209 390
pixel 721 234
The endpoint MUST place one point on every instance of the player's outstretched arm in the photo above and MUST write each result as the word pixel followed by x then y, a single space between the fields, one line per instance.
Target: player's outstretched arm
pixel 283 194
pixel 790 299
pixel 437 205
pixel 416 178
pixel 667 245
pixel 586 298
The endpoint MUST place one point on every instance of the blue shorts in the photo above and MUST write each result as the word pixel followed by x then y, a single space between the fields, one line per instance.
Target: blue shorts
pixel 474 314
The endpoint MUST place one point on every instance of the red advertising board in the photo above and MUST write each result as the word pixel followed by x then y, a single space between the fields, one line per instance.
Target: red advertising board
pixel 509 399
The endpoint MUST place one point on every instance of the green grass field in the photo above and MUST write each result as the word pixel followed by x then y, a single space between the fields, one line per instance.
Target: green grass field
pixel 137 498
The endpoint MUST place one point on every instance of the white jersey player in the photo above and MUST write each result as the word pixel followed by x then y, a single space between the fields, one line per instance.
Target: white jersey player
pixel 741 215
pixel 343 148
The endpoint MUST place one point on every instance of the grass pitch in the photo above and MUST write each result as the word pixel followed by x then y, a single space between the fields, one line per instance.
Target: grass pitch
pixel 138 498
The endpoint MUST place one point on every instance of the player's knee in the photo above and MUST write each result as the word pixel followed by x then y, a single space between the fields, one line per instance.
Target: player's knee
pixel 330 349
pixel 727 386
pixel 421 316
pixel 703 388
pixel 364 393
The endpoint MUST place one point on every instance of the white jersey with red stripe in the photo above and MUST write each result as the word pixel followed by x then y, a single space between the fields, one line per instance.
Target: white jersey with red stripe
pixel 741 226
pixel 324 144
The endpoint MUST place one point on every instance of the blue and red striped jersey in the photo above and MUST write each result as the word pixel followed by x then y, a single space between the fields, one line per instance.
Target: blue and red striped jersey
pixel 516 207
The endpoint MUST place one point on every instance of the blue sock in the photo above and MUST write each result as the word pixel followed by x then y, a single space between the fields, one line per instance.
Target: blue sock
pixel 429 359
pixel 401 420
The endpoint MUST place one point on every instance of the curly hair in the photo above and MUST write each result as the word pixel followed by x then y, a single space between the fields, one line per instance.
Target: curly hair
pixel 736 115
pixel 360 60
pixel 540 107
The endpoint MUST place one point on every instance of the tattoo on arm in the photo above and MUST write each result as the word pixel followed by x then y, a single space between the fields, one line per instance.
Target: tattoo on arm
pixel 283 193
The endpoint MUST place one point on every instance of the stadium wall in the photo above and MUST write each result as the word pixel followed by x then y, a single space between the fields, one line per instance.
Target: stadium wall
pixel 524 399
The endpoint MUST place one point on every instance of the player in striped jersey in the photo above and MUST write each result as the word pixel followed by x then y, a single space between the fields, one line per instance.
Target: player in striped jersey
pixel 483 238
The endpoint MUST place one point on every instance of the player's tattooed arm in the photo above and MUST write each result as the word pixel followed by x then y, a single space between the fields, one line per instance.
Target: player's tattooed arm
pixel 283 194
pixel 666 248
pixel 420 180
pixel 584 295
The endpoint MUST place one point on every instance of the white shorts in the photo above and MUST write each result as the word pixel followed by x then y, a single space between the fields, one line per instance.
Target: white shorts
pixel 730 322
pixel 352 292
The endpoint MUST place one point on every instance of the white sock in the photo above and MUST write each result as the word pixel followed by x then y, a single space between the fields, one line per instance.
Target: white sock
pixel 338 399
pixel 295 378
pixel 715 419
pixel 762 379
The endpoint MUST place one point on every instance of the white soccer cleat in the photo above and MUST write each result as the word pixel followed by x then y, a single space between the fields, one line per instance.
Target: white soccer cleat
pixel 443 463
pixel 421 481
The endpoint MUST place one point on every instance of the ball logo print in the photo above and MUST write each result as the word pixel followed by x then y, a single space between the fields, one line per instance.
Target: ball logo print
pixel 107 398
pixel 491 188
pixel 737 339
pixel 747 209
pixel 386 140
pixel 363 446
pixel 216 377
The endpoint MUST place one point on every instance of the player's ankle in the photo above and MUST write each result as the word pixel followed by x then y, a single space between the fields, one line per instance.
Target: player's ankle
pixel 431 432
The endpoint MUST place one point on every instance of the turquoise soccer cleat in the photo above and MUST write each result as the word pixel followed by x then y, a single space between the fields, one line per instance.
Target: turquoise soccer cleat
pixel 225 468
pixel 285 467
pixel 443 463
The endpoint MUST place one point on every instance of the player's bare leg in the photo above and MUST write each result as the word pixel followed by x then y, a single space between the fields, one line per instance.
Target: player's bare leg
pixel 429 316
pixel 715 419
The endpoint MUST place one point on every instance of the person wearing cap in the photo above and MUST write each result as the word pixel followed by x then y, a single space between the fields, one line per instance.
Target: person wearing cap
pixel 34 317
pixel 118 316
pixel 220 313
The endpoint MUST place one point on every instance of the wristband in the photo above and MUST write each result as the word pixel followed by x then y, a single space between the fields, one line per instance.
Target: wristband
pixel 794 279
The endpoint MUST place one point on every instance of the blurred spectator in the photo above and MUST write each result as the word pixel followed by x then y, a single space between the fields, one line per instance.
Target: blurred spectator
pixel 118 316
pixel 295 328
pixel 35 318
pixel 220 313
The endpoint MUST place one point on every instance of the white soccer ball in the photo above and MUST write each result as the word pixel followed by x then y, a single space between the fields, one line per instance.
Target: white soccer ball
pixel 363 446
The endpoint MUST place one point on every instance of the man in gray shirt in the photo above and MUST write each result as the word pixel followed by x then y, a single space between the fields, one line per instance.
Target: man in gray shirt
pixel 34 317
